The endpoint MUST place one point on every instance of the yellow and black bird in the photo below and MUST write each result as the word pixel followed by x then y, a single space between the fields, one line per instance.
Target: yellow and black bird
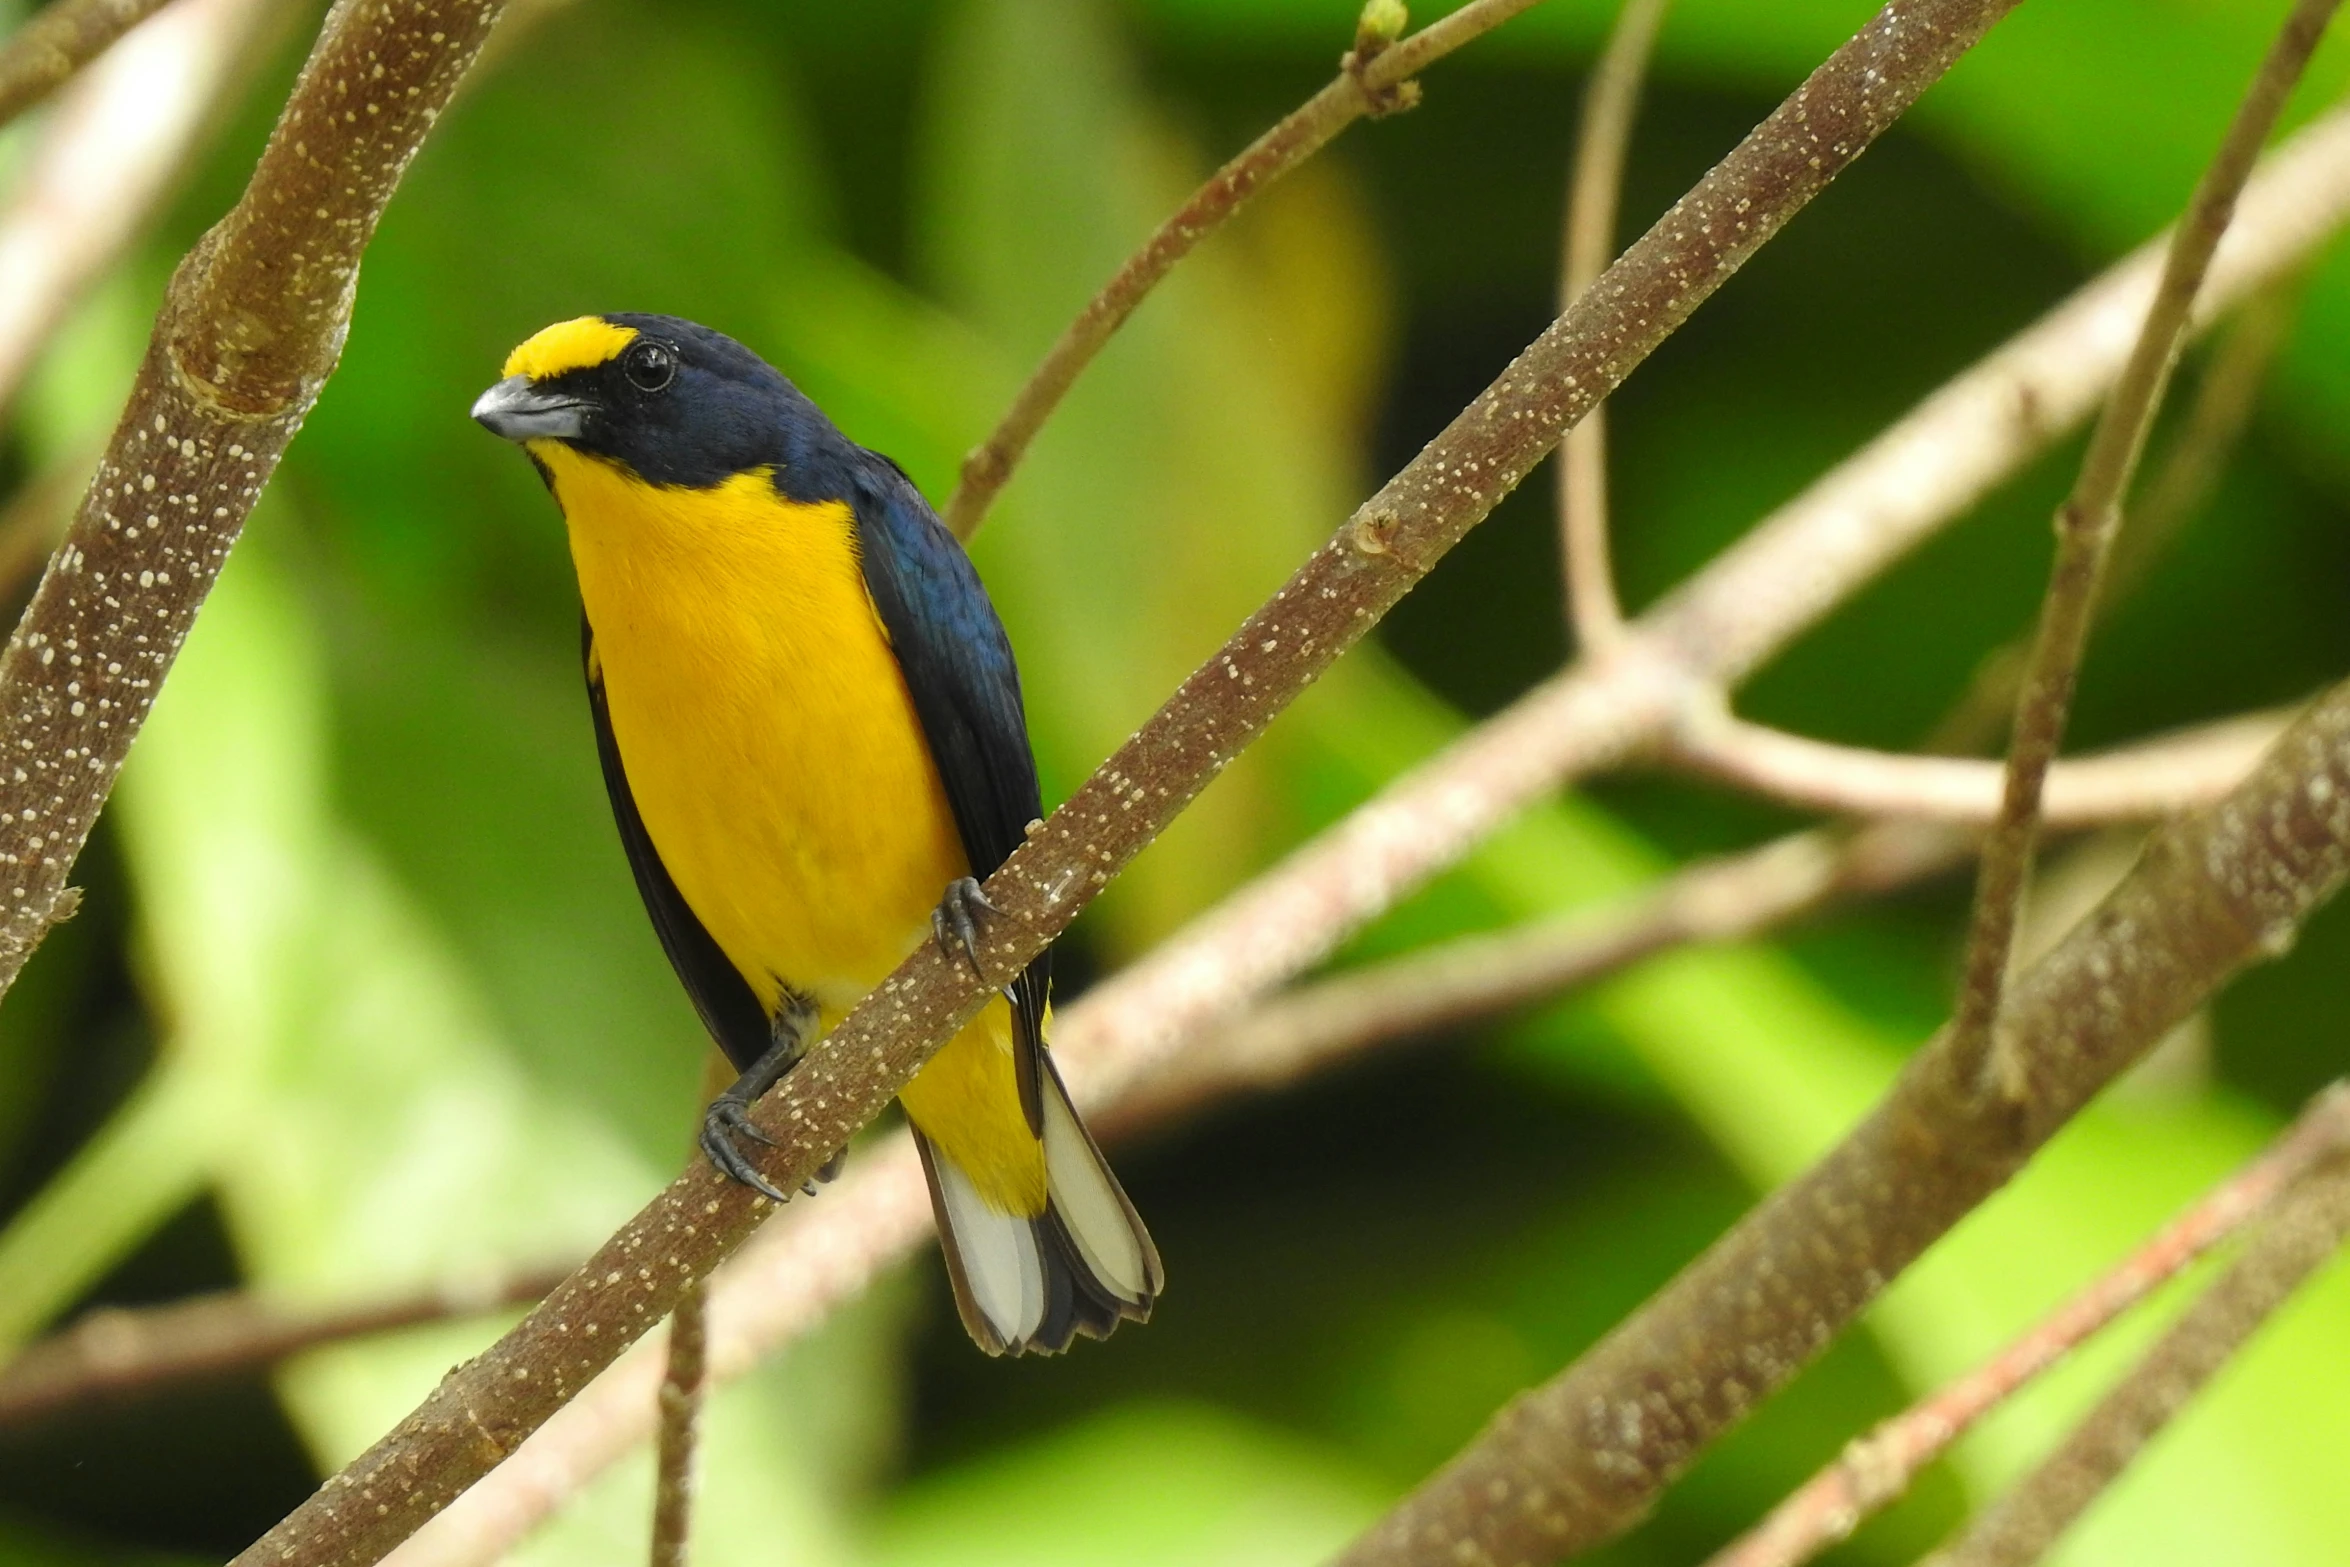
pixel 811 729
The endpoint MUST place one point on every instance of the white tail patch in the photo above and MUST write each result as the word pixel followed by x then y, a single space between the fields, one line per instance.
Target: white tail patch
pixel 1029 1283
pixel 1109 1236
pixel 996 1257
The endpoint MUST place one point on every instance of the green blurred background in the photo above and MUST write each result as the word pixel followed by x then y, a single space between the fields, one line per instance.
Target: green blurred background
pixel 361 998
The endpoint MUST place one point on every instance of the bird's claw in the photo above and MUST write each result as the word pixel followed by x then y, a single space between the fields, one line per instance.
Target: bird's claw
pixel 955 922
pixel 727 1119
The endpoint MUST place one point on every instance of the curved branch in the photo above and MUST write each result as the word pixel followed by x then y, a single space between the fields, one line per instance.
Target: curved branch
pixel 1609 105
pixel 249 332
pixel 2142 782
pixel 1375 78
pixel 484 1409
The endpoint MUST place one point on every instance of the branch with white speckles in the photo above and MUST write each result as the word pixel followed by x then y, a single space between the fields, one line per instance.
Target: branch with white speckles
pixel 1130 1049
pixel 484 1409
pixel 249 331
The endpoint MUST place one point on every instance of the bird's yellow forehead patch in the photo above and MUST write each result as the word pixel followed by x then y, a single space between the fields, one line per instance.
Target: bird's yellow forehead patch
pixel 578 344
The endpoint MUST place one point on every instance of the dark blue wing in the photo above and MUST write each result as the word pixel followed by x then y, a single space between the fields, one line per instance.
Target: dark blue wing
pixel 966 688
pixel 729 1008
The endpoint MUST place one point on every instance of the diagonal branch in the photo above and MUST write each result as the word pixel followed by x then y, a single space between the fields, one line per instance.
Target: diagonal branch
pixel 1115 1043
pixel 1711 633
pixel 106 158
pixel 43 54
pixel 2085 528
pixel 482 1410
pixel 249 332
pixel 1578 1460
pixel 2303 1234
pixel 1375 78
pixel 1878 1467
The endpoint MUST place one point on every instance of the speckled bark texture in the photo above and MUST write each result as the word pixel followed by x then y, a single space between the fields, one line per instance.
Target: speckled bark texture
pixel 1580 1459
pixel 249 332
pixel 483 1409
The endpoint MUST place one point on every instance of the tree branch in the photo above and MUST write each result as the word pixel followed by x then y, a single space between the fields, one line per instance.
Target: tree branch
pixel 2140 782
pixel 127 1352
pixel 482 1410
pixel 1375 78
pixel 1842 531
pixel 1579 1459
pixel 2225 397
pixel 1706 636
pixel 685 1373
pixel 1609 105
pixel 43 54
pixel 106 159
pixel 2085 527
pixel 2302 1234
pixel 1878 1467
pixel 248 334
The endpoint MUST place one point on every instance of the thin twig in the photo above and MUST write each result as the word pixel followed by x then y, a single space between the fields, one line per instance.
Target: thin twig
pixel 2140 782
pixel 2085 527
pixel 106 159
pixel 2302 1233
pixel 482 1410
pixel 131 1352
pixel 685 1382
pixel 1609 104
pixel 42 55
pixel 249 331
pixel 1878 1467
pixel 682 1383
pixel 1837 535
pixel 1375 78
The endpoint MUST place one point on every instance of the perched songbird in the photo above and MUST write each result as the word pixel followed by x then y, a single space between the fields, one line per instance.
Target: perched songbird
pixel 811 728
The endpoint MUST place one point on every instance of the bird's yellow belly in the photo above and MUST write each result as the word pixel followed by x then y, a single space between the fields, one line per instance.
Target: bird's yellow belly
pixel 767 733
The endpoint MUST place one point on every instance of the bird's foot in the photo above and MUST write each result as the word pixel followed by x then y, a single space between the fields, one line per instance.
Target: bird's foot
pixel 956 920
pixel 727 1120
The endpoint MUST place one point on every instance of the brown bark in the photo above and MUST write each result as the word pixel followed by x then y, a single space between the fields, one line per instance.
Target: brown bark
pixel 1580 1459
pixel 249 332
pixel 484 1409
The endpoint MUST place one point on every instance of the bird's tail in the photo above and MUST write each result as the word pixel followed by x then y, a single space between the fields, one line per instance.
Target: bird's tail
pixel 1029 1283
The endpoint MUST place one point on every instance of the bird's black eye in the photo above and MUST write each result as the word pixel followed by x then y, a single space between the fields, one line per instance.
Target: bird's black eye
pixel 649 366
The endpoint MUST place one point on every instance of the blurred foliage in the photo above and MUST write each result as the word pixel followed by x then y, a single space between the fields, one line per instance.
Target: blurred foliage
pixel 361 998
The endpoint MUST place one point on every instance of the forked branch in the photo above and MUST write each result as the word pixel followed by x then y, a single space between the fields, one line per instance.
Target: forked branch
pixel 2085 528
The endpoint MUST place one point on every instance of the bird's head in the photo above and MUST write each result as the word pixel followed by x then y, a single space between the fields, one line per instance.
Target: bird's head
pixel 673 402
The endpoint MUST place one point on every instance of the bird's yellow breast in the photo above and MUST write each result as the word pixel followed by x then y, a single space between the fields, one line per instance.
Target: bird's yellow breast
pixel 769 739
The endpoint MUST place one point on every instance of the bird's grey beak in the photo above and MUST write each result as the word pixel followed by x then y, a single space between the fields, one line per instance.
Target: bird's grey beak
pixel 519 411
